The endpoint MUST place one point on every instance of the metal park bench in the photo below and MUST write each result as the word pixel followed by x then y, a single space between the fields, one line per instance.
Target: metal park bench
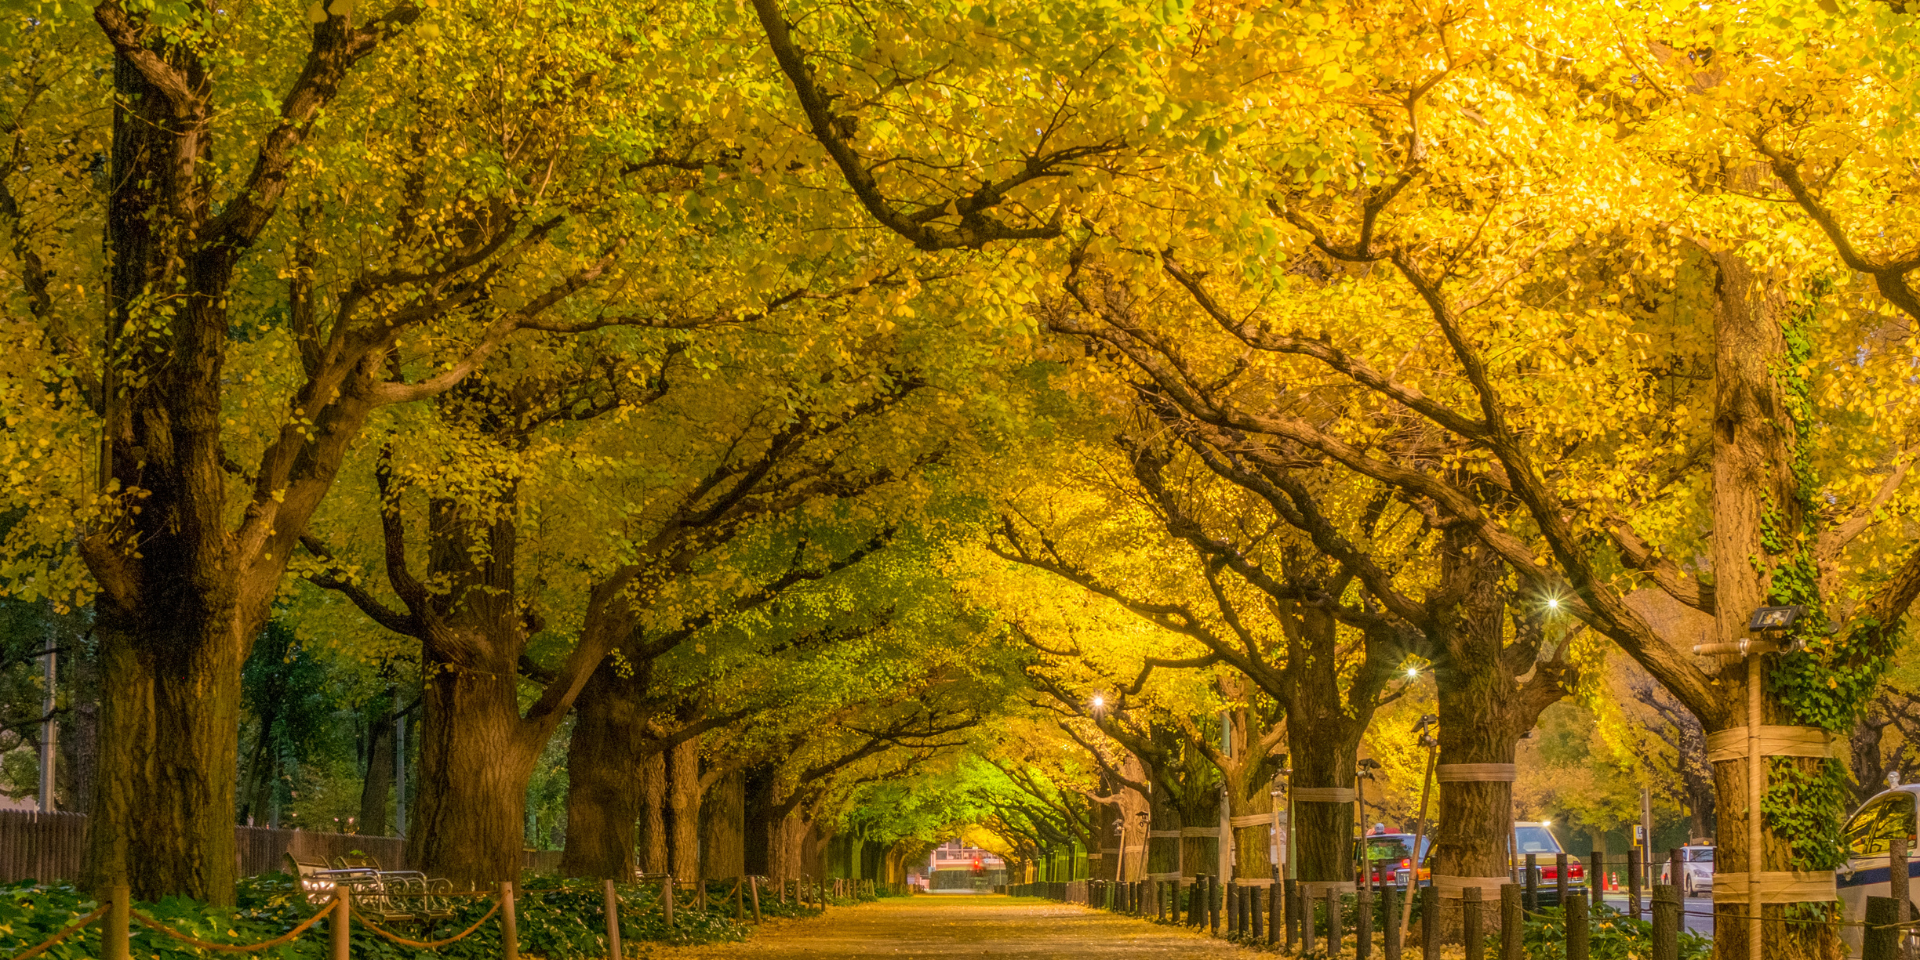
pixel 388 897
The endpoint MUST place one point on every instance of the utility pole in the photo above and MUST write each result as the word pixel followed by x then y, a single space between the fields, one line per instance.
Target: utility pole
pixel 49 734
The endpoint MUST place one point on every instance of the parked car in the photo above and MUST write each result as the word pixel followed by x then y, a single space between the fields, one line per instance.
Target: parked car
pixel 1535 838
pixel 1869 835
pixel 1538 838
pixel 1392 857
pixel 1696 870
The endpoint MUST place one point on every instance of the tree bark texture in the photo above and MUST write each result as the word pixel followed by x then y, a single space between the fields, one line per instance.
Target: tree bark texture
pixel 1490 692
pixel 683 798
pixel 476 758
pixel 653 813
pixel 725 813
pixel 183 591
pixel 376 787
pixel 606 785
pixel 1755 493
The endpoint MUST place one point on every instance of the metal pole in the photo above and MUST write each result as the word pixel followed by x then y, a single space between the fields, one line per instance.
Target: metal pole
pixel 1419 831
pixel 399 772
pixel 1360 821
pixel 49 735
pixel 1756 787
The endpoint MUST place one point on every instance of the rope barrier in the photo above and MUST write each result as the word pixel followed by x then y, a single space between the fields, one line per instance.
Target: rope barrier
pixel 437 944
pixel 71 929
pixel 284 938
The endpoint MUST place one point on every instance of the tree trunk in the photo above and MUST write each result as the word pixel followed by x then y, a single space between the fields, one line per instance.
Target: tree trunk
pixel 1200 816
pixel 653 812
pixel 788 849
pixel 476 759
pixel 1163 852
pixel 163 812
pixel 683 797
pixel 725 812
pixel 1106 817
pixel 1757 540
pixel 1484 709
pixel 759 831
pixel 606 780
pixel 377 788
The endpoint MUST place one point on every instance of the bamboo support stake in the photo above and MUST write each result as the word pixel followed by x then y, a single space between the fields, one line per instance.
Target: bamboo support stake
pixel 1419 831
pixel 753 886
pixel 509 923
pixel 613 923
pixel 340 928
pixel 113 939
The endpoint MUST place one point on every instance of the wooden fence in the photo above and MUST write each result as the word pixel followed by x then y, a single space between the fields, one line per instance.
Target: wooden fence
pixel 52 846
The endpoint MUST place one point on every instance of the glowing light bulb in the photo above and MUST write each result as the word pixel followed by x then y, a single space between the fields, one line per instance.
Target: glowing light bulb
pixel 1413 673
pixel 1553 603
pixel 1099 701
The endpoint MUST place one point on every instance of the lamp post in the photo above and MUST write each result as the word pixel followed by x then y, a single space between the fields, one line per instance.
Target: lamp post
pixel 1772 624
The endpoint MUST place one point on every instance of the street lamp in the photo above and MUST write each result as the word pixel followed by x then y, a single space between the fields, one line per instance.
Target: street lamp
pixel 1099 702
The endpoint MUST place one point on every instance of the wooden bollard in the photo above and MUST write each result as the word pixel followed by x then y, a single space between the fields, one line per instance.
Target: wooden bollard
pixel 1577 926
pixel 1676 872
pixel 666 901
pixel 1470 923
pixel 700 894
pixel 1390 910
pixel 1309 931
pixel 753 888
pixel 1429 923
pixel 613 923
pixel 1597 877
pixel 1291 899
pixel 1533 883
pixel 1560 878
pixel 739 900
pixel 1666 922
pixel 1253 908
pixel 1232 897
pixel 1633 886
pixel 1512 924
pixel 1336 935
pixel 114 938
pixel 509 923
pixel 1363 923
pixel 1882 937
pixel 1276 913
pixel 1213 905
pixel 340 927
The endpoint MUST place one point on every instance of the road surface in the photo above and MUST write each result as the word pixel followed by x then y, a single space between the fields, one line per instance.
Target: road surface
pixel 1001 928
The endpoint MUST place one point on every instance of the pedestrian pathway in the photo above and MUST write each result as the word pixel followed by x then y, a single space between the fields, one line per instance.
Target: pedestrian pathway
pixel 938 926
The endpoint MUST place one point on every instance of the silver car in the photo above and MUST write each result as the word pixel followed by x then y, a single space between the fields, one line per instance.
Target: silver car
pixel 1867 873
pixel 1696 870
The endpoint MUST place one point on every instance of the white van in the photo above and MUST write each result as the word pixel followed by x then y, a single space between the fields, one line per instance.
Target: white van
pixel 1867 874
